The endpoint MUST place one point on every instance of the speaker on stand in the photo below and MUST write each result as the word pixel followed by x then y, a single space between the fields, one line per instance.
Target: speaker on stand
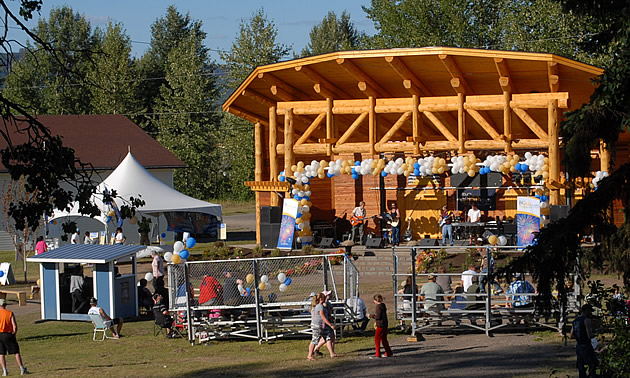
pixel 374 242
pixel 327 243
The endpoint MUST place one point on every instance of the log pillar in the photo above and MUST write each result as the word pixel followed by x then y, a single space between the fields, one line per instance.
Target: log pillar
pixel 288 142
pixel 554 149
pixel 507 121
pixel 330 125
pixel 372 125
pixel 273 153
pixel 604 157
pixel 461 123
pixel 258 176
pixel 416 122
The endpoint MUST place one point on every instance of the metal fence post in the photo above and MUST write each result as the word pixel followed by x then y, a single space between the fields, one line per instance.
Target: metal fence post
pixel 325 269
pixel 488 291
pixel 191 331
pixel 258 309
pixel 395 278
pixel 414 292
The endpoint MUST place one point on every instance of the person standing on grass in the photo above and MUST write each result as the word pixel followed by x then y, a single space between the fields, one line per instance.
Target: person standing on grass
pixel 157 265
pixel 41 246
pixel 318 323
pixel 8 343
pixel 380 334
pixel 582 332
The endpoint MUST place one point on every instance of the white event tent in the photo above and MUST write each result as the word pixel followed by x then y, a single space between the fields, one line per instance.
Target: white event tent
pixel 131 179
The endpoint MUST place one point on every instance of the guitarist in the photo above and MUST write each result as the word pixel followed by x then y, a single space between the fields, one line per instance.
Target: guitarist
pixel 395 222
pixel 447 227
pixel 358 222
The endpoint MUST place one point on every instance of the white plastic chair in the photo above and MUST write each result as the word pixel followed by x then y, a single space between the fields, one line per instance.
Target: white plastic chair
pixel 100 325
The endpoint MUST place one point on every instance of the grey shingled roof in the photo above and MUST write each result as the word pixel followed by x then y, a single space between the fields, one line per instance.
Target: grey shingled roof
pixel 86 253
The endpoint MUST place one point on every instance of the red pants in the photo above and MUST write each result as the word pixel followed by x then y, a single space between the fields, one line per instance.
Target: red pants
pixel 380 336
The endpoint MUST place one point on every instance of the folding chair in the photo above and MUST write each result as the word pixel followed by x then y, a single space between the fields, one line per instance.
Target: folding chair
pixel 159 328
pixel 100 325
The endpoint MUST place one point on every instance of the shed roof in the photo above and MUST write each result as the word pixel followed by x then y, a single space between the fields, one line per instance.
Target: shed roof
pixel 103 140
pixel 86 253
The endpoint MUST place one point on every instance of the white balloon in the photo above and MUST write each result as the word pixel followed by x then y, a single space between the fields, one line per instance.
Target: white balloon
pixel 264 278
pixel 304 180
pixel 148 276
pixel 283 287
pixel 168 255
pixel 282 277
pixel 178 247
pixel 502 240
pixel 528 155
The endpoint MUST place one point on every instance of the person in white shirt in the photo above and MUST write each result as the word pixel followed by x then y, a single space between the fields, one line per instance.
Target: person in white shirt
pixel 468 275
pixel 360 311
pixel 359 214
pixel 87 239
pixel 119 238
pixel 75 237
pixel 474 214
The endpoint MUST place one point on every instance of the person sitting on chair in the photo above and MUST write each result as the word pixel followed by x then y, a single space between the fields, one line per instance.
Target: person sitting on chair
pixel 163 317
pixel 95 310
pixel 144 295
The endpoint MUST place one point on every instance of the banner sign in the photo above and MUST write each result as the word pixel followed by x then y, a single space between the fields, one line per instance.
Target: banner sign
pixel 194 223
pixel 527 219
pixel 287 227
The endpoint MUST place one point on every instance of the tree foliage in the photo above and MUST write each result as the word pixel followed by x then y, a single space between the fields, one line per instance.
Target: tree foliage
pixel 51 78
pixel 255 45
pixel 332 34
pixel 187 119
pixel 538 26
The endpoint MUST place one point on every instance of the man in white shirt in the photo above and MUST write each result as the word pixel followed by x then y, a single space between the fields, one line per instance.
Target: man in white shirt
pixel 360 311
pixel 474 214
pixel 468 275
pixel 358 214
pixel 75 237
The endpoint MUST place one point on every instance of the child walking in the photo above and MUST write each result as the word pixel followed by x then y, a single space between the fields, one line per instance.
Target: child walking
pixel 380 334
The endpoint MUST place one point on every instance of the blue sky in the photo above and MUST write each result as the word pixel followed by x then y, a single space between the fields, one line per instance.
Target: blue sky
pixel 294 19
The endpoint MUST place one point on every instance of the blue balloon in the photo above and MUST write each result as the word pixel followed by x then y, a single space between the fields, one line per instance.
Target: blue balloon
pixel 1 273
pixel 282 173
pixel 416 165
pixel 288 281
pixel 357 163
pixel 384 174
pixel 518 167
pixel 163 234
pixel 190 242
pixel 184 254
pixel 416 172
pixel 355 176
pixel 282 178
pixel 299 215
pixel 306 198
pixel 329 175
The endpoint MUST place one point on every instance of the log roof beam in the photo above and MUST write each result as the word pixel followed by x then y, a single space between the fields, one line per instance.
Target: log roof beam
pixel 505 81
pixel 554 79
pixel 251 117
pixel 460 85
pixel 531 123
pixel 410 80
pixel 321 86
pixel 361 76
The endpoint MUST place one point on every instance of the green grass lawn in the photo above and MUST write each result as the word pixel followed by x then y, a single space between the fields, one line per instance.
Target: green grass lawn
pixel 231 207
pixel 66 348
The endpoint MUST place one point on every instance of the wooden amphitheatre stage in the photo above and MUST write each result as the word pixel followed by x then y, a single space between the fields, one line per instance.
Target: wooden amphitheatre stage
pixel 415 103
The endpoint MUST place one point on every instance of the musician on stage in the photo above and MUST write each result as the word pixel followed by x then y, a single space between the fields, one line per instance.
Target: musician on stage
pixel 358 215
pixel 395 223
pixel 447 227
pixel 474 216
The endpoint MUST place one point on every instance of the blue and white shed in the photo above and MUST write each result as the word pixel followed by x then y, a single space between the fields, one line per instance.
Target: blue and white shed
pixel 116 294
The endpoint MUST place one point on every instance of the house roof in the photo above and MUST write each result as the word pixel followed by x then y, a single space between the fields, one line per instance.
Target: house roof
pixel 86 253
pixel 103 140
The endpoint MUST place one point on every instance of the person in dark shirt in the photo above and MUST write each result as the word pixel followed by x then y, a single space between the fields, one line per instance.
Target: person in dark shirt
pixel 231 295
pixel 582 332
pixel 380 334
pixel 144 295
pixel 163 317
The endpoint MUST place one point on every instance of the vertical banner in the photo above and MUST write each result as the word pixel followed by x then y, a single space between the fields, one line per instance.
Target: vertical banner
pixel 222 231
pixel 287 227
pixel 527 219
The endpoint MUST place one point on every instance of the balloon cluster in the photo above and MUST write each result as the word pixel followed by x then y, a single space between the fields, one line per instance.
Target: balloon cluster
pixel 500 240
pixel 302 194
pixel 180 254
pixel 537 163
pixel 599 175
pixel 465 164
pixel 429 165
pixel 543 196
pixel 495 163
pixel 285 282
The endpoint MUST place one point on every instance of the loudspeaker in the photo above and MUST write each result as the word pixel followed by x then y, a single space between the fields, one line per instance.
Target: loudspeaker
pixel 270 214
pixel 327 243
pixel 269 235
pixel 460 243
pixel 509 228
pixel 368 253
pixel 427 243
pixel 557 212
pixel 374 243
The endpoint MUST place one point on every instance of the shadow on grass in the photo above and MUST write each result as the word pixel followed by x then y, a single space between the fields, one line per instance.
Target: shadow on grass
pixel 54 336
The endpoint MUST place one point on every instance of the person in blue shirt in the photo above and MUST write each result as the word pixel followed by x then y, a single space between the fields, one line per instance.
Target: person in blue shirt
pixel 520 286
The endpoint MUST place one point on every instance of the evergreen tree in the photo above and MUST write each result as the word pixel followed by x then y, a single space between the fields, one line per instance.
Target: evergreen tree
pixel 166 33
pixel 187 118
pixel 255 45
pixel 332 34
pixel 51 79
pixel 112 77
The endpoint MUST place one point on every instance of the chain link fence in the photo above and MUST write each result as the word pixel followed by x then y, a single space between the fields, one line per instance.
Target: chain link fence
pixel 259 293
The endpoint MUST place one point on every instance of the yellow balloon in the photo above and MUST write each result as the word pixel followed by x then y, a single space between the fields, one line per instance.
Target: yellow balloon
pixel 303 202
pixel 176 259
pixel 300 164
pixel 249 278
pixel 38 282
pixel 493 239
pixel 471 173
pixel 293 168
pixel 262 286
